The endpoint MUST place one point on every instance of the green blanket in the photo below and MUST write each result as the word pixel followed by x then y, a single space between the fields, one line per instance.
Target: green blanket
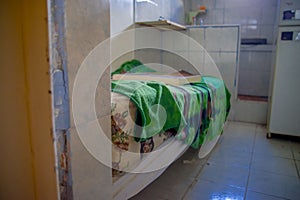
pixel 152 119
pixel 219 98
pixel 196 112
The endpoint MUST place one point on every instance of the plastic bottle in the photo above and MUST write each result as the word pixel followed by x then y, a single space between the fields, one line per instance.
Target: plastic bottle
pixel 201 21
pixel 194 21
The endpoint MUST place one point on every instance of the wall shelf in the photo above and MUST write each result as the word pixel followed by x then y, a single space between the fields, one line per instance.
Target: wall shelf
pixel 162 24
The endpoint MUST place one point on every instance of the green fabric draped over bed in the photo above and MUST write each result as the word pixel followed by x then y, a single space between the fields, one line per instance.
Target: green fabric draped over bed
pixel 196 112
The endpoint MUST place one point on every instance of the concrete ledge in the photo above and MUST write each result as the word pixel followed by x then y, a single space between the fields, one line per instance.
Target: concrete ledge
pixel 249 111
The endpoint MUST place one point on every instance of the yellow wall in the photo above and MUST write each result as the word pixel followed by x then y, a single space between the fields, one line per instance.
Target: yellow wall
pixel 27 168
pixel 16 162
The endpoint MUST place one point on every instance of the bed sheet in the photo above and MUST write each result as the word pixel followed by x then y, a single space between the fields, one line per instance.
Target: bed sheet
pixel 127 153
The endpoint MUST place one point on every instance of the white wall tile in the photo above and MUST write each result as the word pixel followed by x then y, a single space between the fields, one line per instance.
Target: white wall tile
pixel 232 16
pixel 250 31
pixel 165 8
pixel 121 15
pixel 169 9
pixel 220 4
pixel 235 3
pixel 167 40
pixel 146 11
pixel 148 55
pixel 269 3
pixel 122 44
pixel 253 83
pixel 226 63
pixel 178 11
pixel 218 16
pixel 221 39
pixel 176 62
pixel 268 15
pixel 148 37
pixel 250 111
pixel 257 19
pixel 197 34
pixel 180 43
pixel 210 67
pixel 197 59
pixel 267 31
pixel 195 5
pixel 255 72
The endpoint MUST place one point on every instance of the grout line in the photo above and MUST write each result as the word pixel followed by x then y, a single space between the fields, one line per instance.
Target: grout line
pixel 295 162
pixel 252 152
pixel 195 179
pixel 271 195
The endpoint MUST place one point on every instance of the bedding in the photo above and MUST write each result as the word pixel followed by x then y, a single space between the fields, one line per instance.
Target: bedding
pixel 126 152
pixel 145 114
pixel 190 108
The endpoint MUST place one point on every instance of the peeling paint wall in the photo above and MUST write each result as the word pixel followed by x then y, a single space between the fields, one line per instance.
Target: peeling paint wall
pixel 60 97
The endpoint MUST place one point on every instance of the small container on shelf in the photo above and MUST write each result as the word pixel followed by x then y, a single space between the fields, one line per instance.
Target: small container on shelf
pixel 192 15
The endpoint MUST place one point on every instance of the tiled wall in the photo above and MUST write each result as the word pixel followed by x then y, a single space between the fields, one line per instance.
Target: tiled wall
pixel 124 13
pixel 182 51
pixel 154 9
pixel 258 20
pixel 255 70
pixel 256 17
pixel 121 19
pixel 121 15
pixel 220 51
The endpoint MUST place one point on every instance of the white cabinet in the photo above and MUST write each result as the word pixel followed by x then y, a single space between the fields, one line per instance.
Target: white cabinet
pixel 285 109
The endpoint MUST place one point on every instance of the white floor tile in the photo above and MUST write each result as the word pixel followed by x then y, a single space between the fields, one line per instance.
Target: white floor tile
pixel 298 167
pixel 274 164
pixel 241 129
pixel 211 191
pixel 239 136
pixel 274 184
pixel 238 143
pixel 226 155
pixel 272 147
pixel 258 196
pixel 243 155
pixel 296 150
pixel 225 175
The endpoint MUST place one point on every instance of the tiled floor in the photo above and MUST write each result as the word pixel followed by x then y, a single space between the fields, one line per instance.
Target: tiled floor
pixel 243 165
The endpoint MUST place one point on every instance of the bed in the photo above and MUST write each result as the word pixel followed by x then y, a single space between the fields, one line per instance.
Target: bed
pixel 153 123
